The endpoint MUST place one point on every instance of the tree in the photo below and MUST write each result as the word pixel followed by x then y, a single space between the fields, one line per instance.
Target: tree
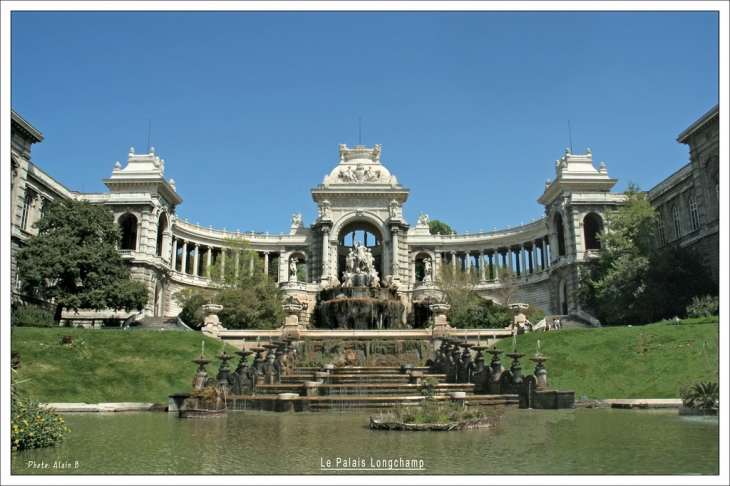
pixel 250 297
pixel 468 309
pixel 633 283
pixel 74 260
pixel 630 228
pixel 437 227
pixel 509 285
pixel 192 300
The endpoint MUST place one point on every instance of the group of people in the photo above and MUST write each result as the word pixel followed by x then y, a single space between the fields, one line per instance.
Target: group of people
pixel 555 325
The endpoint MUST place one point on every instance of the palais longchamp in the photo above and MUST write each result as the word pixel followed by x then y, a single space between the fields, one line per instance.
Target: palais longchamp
pixel 360 238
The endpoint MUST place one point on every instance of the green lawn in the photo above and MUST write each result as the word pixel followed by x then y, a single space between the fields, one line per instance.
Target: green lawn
pixel 108 365
pixel 145 366
pixel 649 361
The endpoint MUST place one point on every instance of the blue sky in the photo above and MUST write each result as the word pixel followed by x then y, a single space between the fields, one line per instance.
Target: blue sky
pixel 471 108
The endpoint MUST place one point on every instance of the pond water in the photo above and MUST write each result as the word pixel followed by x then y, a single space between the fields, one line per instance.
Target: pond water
pixel 539 442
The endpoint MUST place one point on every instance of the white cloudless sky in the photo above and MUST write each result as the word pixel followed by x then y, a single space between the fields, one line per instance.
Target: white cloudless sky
pixel 472 108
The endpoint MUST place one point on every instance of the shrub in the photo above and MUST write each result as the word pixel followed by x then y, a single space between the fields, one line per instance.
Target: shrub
pixel 206 398
pixel 703 306
pixel 31 316
pixel 33 426
pixel 701 395
pixel 428 387
pixel 433 412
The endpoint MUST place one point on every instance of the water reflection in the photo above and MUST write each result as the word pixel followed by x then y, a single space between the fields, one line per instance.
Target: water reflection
pixel 528 442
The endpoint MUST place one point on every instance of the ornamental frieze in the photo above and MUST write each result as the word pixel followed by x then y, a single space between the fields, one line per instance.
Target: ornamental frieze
pixel 359 174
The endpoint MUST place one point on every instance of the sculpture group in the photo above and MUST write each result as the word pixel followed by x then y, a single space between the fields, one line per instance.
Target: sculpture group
pixel 360 268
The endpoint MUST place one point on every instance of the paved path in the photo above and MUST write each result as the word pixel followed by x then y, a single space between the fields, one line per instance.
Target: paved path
pixel 105 407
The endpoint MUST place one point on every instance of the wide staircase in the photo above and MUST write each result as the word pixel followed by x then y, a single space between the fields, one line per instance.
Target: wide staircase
pixel 348 389
pixel 156 324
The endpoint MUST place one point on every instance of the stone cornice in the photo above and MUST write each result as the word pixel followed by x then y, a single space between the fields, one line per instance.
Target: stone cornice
pixel 320 194
pixel 24 127
pixel 558 186
pixel 711 116
pixel 155 183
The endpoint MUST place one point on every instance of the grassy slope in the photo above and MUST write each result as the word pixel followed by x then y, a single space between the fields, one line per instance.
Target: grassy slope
pixel 625 362
pixel 145 366
pixel 115 366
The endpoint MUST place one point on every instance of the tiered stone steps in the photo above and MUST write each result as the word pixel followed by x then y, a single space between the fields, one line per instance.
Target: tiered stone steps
pixel 348 389
pixel 156 324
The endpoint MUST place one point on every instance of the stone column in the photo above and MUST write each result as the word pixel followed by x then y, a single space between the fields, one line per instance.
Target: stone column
pixel 195 259
pixel 534 257
pixel 207 266
pixel 523 266
pixel 138 243
pixel 467 261
pixel 142 232
pixel 394 244
pixel 482 275
pixel 184 262
pixel 453 261
pixel 509 258
pixel 223 261
pixel 266 262
pixel 326 251
pixel 545 248
pixel 173 259
pixel 497 266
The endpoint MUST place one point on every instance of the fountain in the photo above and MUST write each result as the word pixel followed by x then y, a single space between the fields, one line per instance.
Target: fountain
pixel 479 360
pixel 208 399
pixel 244 378
pixel 259 360
pixel 224 371
pixel 540 371
pixel 360 301
pixel 467 365
pixel 202 375
pixel 276 381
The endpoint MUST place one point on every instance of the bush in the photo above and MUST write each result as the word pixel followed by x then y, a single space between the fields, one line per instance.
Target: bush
pixel 433 412
pixel 207 398
pixel 703 306
pixel 31 316
pixel 33 426
pixel 701 395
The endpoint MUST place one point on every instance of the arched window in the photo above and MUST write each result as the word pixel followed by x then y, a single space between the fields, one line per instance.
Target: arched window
pixel 161 237
pixel 592 226
pixel 675 221
pixel 128 225
pixel 660 230
pixel 694 216
pixel 26 211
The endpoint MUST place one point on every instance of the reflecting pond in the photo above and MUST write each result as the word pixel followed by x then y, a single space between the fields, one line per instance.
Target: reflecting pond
pixel 576 442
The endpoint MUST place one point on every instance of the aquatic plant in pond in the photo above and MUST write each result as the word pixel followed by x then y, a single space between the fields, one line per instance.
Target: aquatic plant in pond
pixel 435 412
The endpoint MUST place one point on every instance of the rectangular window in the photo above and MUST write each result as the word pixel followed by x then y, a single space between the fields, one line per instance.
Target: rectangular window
pixel 675 221
pixel 26 211
pixel 694 216
pixel 660 230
